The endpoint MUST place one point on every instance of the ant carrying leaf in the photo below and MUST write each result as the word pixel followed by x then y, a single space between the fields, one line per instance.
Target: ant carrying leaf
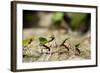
pixel 77 49
pixel 28 41
pixel 43 41
pixel 63 44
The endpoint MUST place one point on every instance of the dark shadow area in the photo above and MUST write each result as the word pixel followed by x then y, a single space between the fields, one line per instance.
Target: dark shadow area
pixel 30 19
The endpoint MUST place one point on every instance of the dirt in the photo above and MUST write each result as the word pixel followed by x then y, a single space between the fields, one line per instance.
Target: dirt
pixel 36 53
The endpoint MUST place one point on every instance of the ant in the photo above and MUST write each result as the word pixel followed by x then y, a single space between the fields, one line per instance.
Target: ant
pixel 63 44
pixel 30 41
pixel 47 47
pixel 77 49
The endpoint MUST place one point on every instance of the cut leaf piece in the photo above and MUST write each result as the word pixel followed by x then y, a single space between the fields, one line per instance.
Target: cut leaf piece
pixel 42 40
pixel 58 16
pixel 27 40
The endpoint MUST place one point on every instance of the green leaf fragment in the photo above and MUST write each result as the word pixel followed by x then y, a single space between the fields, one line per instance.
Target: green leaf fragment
pixel 77 45
pixel 26 41
pixel 76 19
pixel 58 16
pixel 42 40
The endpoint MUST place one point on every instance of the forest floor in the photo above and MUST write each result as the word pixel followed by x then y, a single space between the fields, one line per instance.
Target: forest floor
pixel 35 53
